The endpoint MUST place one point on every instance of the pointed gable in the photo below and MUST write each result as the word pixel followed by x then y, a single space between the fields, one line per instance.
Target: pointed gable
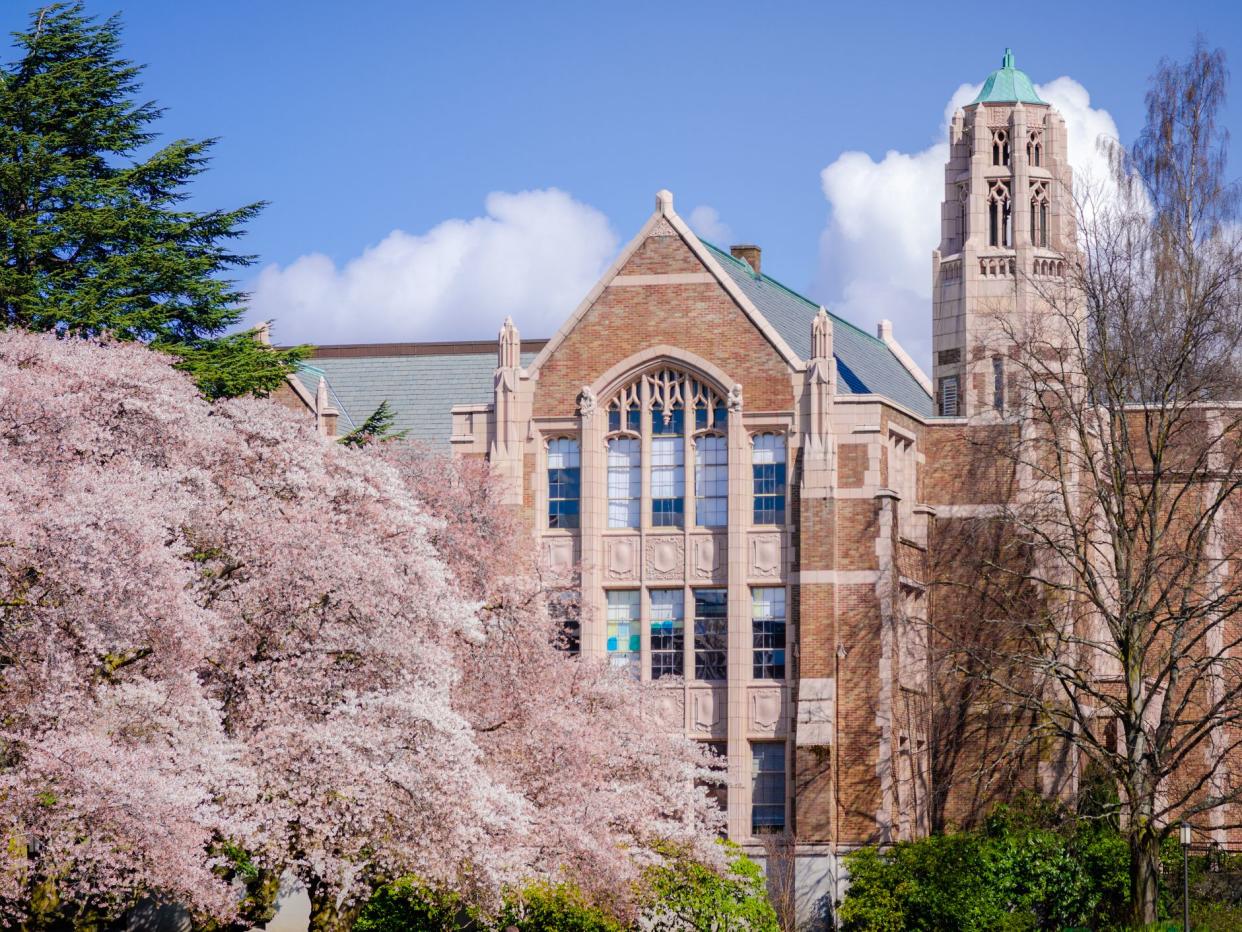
pixel 666 289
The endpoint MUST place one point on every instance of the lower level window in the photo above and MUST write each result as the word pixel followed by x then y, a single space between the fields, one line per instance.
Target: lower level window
pixel 624 630
pixel 668 633
pixel 711 634
pixel 768 624
pixel 767 787
pixel 719 791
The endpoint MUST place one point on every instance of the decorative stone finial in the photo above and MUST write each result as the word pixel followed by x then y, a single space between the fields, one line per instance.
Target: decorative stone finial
pixel 509 351
pixel 821 335
pixel 321 395
pixel 664 201
pixel 735 397
pixel 884 330
pixel 586 401
pixel 263 333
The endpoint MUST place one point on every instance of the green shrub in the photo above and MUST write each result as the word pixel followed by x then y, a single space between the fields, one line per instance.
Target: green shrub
pixel 689 895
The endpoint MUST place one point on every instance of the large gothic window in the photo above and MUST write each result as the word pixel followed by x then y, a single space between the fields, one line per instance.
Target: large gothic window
pixel 671 417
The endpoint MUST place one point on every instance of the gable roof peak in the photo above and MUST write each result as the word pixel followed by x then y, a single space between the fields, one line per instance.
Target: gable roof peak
pixel 664 201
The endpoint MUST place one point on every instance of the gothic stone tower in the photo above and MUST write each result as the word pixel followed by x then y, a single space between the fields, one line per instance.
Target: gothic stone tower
pixel 1006 225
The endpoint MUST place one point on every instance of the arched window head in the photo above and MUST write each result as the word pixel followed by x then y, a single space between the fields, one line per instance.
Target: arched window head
pixel 564 475
pixel 1039 213
pixel 1035 147
pixel 1000 220
pixel 768 473
pixel 1000 147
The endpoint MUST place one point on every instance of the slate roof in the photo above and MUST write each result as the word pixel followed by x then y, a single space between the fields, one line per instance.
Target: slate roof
pixel 422 381
pixel 420 388
pixel 865 364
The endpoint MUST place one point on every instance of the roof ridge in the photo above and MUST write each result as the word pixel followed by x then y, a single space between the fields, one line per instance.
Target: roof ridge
pixel 801 297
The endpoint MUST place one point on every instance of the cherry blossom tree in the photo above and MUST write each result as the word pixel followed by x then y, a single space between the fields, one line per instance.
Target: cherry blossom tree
pixel 217 630
pixel 612 781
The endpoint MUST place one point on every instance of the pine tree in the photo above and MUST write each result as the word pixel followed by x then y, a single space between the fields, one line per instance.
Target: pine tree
pixel 94 235
pixel 375 429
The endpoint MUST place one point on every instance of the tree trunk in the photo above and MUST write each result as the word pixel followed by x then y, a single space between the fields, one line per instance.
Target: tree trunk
pixel 327 914
pixel 1144 876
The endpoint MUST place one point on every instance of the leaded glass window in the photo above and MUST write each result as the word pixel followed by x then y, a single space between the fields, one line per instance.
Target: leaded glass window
pixel 564 468
pixel 668 467
pixel 711 481
pixel 624 481
pixel 624 630
pixel 668 633
pixel 768 623
pixel 767 788
pixel 711 634
pixel 768 466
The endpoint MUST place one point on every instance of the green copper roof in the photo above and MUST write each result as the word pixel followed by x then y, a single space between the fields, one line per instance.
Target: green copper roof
pixel 1007 85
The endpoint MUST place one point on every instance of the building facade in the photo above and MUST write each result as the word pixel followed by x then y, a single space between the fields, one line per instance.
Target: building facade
pixel 748 483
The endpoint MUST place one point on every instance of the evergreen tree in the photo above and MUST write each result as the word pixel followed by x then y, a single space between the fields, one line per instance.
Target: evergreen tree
pixel 94 235
pixel 376 428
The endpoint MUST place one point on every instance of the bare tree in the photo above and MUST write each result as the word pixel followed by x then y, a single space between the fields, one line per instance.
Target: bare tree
pixel 1116 609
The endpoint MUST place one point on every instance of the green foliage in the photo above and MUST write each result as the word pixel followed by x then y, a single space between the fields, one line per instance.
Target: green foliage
pixel 94 233
pixel 684 895
pixel 552 908
pixel 410 905
pixel 1030 868
pixel 690 895
pixel 375 429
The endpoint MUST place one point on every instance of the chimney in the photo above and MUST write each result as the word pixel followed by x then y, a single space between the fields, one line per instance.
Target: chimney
pixel 748 253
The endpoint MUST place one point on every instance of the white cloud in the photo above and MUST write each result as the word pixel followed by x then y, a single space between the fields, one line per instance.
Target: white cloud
pixel 884 220
pixel 534 255
pixel 706 222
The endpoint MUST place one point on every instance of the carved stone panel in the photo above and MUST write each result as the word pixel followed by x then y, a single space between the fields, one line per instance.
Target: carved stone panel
pixel 558 554
pixel 767 710
pixel 765 556
pixel 707 711
pixel 621 558
pixel 707 557
pixel 665 558
pixel 671 707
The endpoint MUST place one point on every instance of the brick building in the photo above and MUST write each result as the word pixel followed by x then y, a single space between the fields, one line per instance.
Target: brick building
pixel 748 482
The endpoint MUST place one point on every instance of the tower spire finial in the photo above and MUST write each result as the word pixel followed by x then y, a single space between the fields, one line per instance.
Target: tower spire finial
pixel 1007 61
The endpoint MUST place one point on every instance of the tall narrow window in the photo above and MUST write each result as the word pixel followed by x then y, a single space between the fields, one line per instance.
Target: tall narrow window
pixel 768 623
pixel 624 630
pixel 564 466
pixel 1000 147
pixel 624 481
pixel 768 467
pixel 998 383
pixel 668 467
pixel 1000 219
pixel 1039 214
pixel 948 396
pixel 711 481
pixel 668 633
pixel 767 788
pixel 711 634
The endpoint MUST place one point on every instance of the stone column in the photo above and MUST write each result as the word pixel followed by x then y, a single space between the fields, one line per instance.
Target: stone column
pixel 740 639
pixel 593 510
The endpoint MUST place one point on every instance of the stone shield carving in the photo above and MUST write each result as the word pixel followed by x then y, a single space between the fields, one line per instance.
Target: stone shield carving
pixel 558 555
pixel 765 555
pixel 707 708
pixel 671 707
pixel 622 558
pixel 708 556
pixel 767 710
pixel 666 557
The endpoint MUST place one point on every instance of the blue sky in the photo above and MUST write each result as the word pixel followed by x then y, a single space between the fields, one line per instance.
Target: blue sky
pixel 359 119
